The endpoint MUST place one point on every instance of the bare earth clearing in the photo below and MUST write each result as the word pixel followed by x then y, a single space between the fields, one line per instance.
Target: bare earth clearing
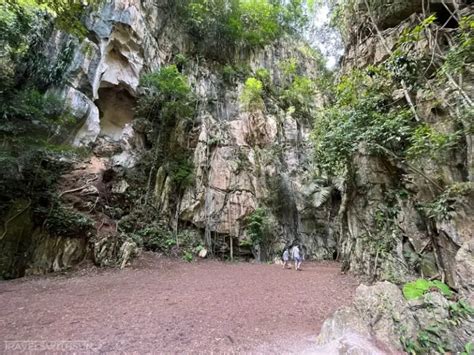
pixel 169 306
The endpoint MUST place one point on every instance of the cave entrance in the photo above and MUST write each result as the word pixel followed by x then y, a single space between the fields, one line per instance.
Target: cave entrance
pixel 116 107
pixel 444 14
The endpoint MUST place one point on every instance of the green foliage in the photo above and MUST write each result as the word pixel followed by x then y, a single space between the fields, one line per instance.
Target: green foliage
pixel 300 94
pixel 468 349
pixel 251 96
pixel 156 237
pixel 221 26
pixel 432 338
pixel 445 205
pixel 180 59
pixel 188 256
pixel 29 171
pixel 360 118
pixel 32 123
pixel 168 102
pixel 427 340
pixel 257 227
pixel 181 171
pixel 64 222
pixel 263 75
pixel 414 34
pixel 66 13
pixel 416 289
pixel 460 53
pixel 460 310
pixel 365 115
pixel 167 96
pixel 231 73
pixel 288 67
pixel 428 142
pixel 26 74
pixel 31 105
pixel 256 22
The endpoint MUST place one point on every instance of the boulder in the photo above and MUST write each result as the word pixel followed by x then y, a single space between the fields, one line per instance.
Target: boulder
pixel 202 253
pixel 376 315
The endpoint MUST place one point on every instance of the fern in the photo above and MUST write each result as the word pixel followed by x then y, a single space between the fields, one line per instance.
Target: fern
pixel 320 197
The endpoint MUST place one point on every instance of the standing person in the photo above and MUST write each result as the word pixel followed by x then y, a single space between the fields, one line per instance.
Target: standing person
pixel 295 252
pixel 286 258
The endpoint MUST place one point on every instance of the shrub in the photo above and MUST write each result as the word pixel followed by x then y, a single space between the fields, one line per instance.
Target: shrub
pixel 256 22
pixel 221 26
pixel 361 114
pixel 188 256
pixel 444 206
pixel 263 75
pixel 428 142
pixel 288 67
pixel 251 96
pixel 181 171
pixel 257 227
pixel 229 73
pixel 65 222
pixel 300 95
pixel 167 96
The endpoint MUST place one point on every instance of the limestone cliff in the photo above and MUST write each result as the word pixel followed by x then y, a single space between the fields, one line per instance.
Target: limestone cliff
pixel 241 160
pixel 404 217
pixel 427 245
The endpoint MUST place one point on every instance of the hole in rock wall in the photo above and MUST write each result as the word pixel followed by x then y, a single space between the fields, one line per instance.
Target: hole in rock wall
pixel 116 107
pixel 444 15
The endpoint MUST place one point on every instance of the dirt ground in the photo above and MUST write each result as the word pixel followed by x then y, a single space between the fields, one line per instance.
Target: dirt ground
pixel 170 306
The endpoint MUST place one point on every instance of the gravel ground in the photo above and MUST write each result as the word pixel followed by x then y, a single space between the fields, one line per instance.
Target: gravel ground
pixel 162 305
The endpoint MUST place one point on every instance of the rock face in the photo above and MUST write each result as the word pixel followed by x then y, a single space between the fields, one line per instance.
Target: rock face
pixel 240 159
pixel 41 252
pixel 418 243
pixel 385 320
pixel 376 314
pixel 245 160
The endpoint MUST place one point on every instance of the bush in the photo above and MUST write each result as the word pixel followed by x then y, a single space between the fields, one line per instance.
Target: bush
pixel 428 142
pixel 167 96
pixel 256 22
pixel 181 171
pixel 188 256
pixel 361 115
pixel 263 75
pixel 65 222
pixel 300 95
pixel 222 26
pixel 251 96
pixel 257 227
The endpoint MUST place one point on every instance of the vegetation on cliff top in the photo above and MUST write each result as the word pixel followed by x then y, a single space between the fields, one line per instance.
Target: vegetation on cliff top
pixel 221 27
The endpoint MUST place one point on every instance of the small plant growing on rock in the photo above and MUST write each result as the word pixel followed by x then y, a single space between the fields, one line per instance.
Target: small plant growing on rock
pixel 188 256
pixel 251 96
pixel 416 289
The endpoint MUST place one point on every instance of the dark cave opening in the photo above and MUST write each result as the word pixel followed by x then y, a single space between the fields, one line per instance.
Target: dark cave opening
pixel 116 106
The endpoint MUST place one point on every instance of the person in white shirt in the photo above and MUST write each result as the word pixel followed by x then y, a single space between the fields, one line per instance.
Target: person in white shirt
pixel 286 258
pixel 296 254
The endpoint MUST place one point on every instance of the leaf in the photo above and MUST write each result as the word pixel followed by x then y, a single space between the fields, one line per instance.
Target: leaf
pixel 322 196
pixel 415 289
pixel 445 290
